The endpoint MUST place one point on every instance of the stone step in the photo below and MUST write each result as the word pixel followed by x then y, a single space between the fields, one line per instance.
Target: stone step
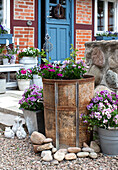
pixel 8 120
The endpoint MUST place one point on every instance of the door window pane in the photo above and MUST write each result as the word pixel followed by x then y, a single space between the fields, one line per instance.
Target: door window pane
pixel 57 12
pixel 1 12
pixel 111 12
pixel 62 2
pixel 100 16
pixel 53 1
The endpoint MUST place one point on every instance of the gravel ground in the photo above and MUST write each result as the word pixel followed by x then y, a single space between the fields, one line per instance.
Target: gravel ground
pixel 18 155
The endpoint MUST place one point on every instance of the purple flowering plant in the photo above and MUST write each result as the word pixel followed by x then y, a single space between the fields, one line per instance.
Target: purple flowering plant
pixel 24 74
pixel 69 69
pixel 32 99
pixel 103 110
pixel 3 29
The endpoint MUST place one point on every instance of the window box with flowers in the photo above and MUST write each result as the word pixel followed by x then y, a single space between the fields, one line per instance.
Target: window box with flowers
pixel 32 106
pixel 108 35
pixel 28 57
pixel 103 113
pixel 4 35
pixel 24 78
pixel 67 91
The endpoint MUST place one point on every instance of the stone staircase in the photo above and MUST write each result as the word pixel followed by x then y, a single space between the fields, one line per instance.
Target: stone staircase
pixel 9 107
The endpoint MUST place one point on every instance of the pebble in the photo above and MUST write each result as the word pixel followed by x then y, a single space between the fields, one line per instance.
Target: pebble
pixel 54 162
pixel 59 156
pixel 70 156
pixel 87 149
pixel 37 138
pixel 95 146
pixel 74 149
pixel 82 154
pixel 93 155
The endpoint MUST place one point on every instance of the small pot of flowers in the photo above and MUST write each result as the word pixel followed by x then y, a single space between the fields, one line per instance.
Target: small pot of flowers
pixel 5 59
pixel 12 53
pixel 103 113
pixel 23 78
pixel 36 72
pixel 32 106
pixel 28 56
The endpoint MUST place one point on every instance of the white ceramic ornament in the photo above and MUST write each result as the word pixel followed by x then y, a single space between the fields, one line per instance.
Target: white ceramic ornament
pixel 17 124
pixel 9 133
pixel 21 134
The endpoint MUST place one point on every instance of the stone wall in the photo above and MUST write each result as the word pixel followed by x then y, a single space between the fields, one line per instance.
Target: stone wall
pixel 102 59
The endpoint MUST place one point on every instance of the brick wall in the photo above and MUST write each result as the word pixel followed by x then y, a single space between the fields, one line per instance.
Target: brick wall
pixel 82 36
pixel 25 35
pixel 24 9
pixel 84 11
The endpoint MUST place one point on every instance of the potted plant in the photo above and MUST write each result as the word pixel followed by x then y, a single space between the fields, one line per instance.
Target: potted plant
pixel 108 35
pixel 32 106
pixel 5 59
pixel 36 72
pixel 66 93
pixel 28 57
pixel 23 77
pixel 4 35
pixel 2 83
pixel 103 113
pixel 12 53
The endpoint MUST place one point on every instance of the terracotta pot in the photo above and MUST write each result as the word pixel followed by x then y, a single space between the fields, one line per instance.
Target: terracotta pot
pixel 64 101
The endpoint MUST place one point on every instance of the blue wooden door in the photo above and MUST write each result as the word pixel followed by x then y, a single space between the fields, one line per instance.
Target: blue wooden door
pixel 58 26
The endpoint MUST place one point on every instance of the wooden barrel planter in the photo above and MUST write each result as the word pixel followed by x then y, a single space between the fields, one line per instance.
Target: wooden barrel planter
pixel 64 101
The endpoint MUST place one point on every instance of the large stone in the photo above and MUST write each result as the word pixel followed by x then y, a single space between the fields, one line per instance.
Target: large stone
pixel 93 155
pixel 82 154
pixel 95 146
pixel 43 153
pixel 97 73
pixel 63 151
pixel 85 145
pixel 47 140
pixel 54 150
pixel 113 60
pixel 87 149
pixel 101 88
pixel 37 138
pixel 74 149
pixel 59 156
pixel 98 58
pixel 38 148
pixel 111 78
pixel 70 156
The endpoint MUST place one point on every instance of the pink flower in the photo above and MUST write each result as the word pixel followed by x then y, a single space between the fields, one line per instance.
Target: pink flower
pixel 59 74
pixel 51 70
pixel 29 70
pixel 23 71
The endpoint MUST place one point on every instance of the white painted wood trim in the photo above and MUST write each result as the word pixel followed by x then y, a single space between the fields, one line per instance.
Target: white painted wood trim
pixel 6 13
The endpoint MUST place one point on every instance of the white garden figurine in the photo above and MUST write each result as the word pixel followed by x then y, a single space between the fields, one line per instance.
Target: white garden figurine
pixel 9 133
pixel 21 134
pixel 17 124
